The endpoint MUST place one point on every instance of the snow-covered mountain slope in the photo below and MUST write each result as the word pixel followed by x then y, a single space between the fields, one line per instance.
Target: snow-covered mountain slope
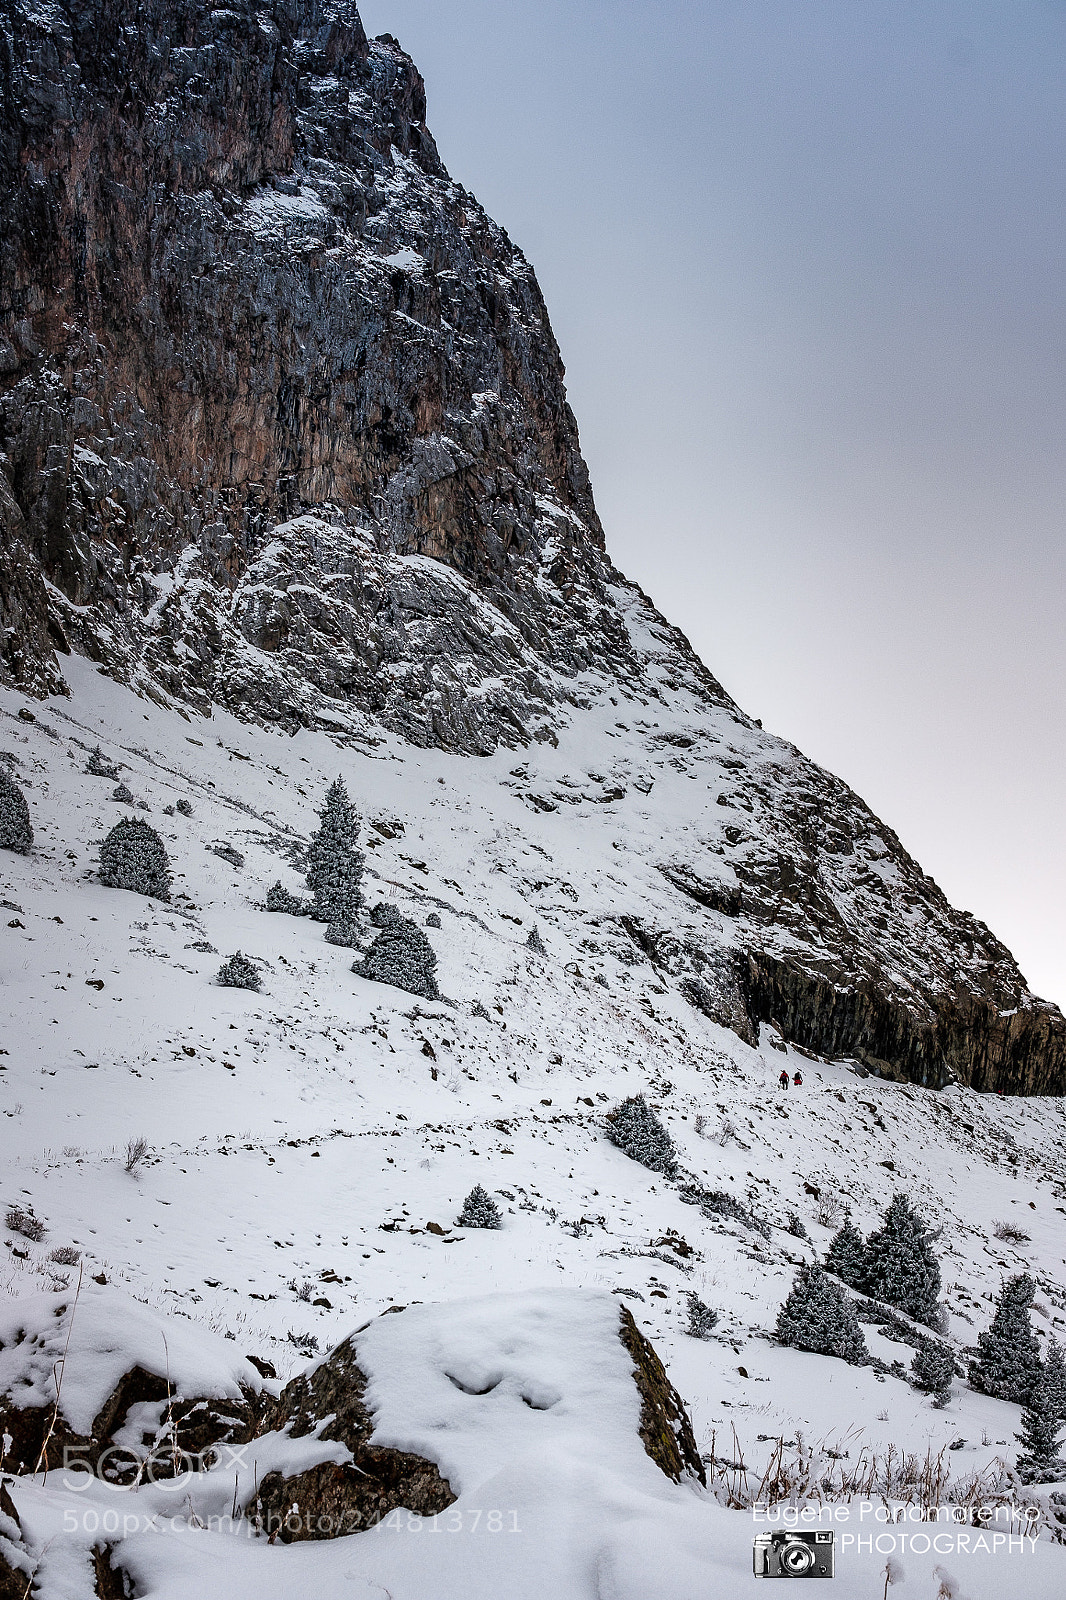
pixel 292 437
pixel 300 1140
pixel 289 489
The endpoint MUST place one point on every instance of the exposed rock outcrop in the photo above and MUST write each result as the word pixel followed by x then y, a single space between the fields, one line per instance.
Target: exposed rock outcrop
pixel 330 1499
pixel 240 287
pixel 665 1425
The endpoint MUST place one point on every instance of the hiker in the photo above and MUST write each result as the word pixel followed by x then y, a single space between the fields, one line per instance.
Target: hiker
pixel 798 1080
pixel 783 1079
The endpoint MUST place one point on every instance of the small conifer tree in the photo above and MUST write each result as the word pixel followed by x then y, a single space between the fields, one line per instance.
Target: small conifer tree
pixel 701 1319
pixel 796 1226
pixel 185 807
pixel 98 766
pixel 479 1210
pixel 846 1256
pixel 1039 1460
pixel 239 973
pixel 403 956
pixel 15 830
pixel 638 1133
pixel 818 1315
pixel 1055 1379
pixel 535 943
pixel 385 916
pixel 278 898
pixel 1007 1364
pixel 133 857
pixel 932 1368
pixel 335 866
pixel 901 1268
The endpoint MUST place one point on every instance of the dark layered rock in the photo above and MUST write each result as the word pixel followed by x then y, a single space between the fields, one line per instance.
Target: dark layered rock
pixel 16 1563
pixel 190 1428
pixel 665 1425
pixel 330 1500
pixel 239 286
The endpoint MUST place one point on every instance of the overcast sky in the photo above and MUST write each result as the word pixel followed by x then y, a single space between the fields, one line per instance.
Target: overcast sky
pixel 805 261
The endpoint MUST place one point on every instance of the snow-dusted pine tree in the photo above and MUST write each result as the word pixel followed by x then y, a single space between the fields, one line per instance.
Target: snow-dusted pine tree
pixel 479 1210
pixel 133 857
pixel 1039 1459
pixel 901 1268
pixel 846 1256
pixel 638 1133
pixel 932 1368
pixel 1055 1378
pixel 403 956
pixel 818 1315
pixel 98 766
pixel 1007 1364
pixel 278 898
pixel 237 972
pixel 535 943
pixel 15 830
pixel 335 866
pixel 701 1319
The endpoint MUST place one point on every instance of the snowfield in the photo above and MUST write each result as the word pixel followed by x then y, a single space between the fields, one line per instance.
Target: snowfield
pixel 300 1140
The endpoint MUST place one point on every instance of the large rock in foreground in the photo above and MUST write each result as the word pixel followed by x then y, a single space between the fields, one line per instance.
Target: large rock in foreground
pixel 475 1370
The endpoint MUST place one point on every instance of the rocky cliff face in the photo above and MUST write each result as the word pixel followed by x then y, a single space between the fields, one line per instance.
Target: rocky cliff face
pixel 239 287
pixel 283 428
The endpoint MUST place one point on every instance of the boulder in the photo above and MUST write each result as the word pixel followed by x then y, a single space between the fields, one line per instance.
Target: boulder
pixel 331 1499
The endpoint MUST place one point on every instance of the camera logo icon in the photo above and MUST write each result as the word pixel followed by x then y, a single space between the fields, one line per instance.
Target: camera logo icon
pixel 793 1554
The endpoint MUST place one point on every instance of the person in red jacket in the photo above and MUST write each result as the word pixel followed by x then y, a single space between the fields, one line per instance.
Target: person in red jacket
pixel 783 1079
pixel 797 1080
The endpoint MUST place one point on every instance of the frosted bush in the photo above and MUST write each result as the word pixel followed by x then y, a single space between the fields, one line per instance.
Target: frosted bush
pixel 818 1315
pixel 932 1368
pixel 15 830
pixel 701 1319
pixel 237 972
pixel 402 956
pixel 638 1133
pixel 24 1222
pixel 479 1210
pixel 133 857
pixel 98 766
pixel 278 898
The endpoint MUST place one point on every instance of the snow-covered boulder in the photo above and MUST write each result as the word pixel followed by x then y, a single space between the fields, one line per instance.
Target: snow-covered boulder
pixel 434 1401
pixel 111 1353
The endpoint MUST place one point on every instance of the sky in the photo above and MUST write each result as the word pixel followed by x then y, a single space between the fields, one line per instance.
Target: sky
pixel 805 263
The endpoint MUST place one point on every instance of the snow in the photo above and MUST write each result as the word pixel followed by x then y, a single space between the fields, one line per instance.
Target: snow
pixel 311 1132
pixel 95 1343
pixel 407 260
